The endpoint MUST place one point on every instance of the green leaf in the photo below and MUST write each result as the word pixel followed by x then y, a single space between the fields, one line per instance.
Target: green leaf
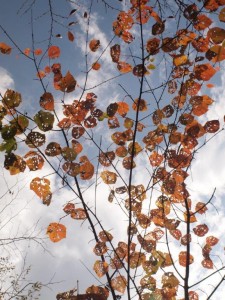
pixel 11 99
pixel 8 132
pixel 8 145
pixel 44 120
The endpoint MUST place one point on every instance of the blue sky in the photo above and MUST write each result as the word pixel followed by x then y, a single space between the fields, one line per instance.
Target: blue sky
pixel 65 262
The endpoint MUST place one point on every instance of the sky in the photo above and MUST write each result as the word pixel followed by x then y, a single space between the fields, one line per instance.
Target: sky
pixel 68 263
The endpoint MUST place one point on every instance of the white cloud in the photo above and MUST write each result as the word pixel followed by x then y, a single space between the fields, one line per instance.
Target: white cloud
pixel 6 80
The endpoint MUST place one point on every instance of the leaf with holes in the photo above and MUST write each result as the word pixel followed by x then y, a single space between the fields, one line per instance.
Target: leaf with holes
pixel 100 268
pixel 108 177
pixel 41 187
pixel 119 283
pixel 56 232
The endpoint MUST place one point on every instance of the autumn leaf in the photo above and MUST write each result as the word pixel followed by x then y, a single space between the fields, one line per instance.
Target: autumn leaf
pixel 100 268
pixel 5 49
pixel 119 283
pixel 94 45
pixel 96 66
pixel 56 232
pixel 115 53
pixel 53 52
pixel 70 36
pixel 41 187
pixel 124 67
pixel 67 83
pixel 47 101
pixel 108 177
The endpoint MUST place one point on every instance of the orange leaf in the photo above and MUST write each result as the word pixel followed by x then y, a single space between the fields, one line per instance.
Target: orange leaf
pixel 156 159
pixel 68 83
pixel 86 168
pixel 180 60
pixel 38 51
pixel 202 22
pixel 210 85
pixel 53 52
pixel 212 240
pixel 41 74
pixel 56 232
pixel 123 108
pixel 41 186
pixel 34 160
pixel 96 66
pixel 207 263
pixel 27 51
pixel 124 67
pixel 204 71
pixel 94 45
pixel 47 101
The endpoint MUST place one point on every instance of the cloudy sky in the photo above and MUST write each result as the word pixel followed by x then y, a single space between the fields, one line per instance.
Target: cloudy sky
pixel 71 259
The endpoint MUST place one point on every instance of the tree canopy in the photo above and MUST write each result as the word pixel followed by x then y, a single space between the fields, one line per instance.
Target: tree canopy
pixel 125 100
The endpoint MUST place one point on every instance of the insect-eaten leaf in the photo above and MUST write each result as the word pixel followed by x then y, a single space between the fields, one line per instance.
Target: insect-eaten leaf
pixel 56 232
pixel 14 164
pixel 47 101
pixel 183 257
pixel 35 139
pixel 78 214
pixel 100 268
pixel 34 160
pixel 41 187
pixel 86 168
pixel 119 284
pixel 108 177
pixel 68 83
pixel 11 99
pixel 44 120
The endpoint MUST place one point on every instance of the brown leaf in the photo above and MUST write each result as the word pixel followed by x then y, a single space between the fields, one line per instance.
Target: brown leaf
pixel 119 284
